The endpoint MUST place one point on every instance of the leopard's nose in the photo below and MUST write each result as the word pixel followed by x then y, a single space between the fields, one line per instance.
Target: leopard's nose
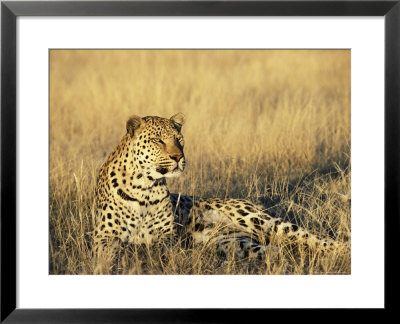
pixel 176 157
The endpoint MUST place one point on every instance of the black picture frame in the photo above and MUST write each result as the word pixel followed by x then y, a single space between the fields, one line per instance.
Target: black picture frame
pixel 10 10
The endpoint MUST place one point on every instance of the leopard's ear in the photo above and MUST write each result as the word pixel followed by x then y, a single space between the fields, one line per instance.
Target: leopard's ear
pixel 133 124
pixel 178 119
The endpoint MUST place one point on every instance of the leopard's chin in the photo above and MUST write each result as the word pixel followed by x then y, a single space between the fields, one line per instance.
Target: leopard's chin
pixel 174 173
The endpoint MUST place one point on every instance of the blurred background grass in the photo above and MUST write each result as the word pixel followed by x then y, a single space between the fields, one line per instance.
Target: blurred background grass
pixel 269 125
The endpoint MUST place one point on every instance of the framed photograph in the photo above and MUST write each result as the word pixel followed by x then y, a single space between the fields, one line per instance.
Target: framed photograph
pixel 179 155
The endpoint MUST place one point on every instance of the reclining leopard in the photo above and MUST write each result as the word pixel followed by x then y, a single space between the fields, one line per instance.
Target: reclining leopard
pixel 134 205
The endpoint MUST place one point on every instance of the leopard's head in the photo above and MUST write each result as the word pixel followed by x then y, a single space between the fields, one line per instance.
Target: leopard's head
pixel 157 144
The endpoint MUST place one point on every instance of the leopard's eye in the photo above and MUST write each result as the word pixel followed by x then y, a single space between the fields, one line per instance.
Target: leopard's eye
pixel 157 140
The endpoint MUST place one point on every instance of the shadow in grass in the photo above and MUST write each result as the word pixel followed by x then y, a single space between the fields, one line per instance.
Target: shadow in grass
pixel 304 195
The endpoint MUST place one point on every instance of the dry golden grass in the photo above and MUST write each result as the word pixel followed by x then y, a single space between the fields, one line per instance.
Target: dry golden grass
pixel 266 125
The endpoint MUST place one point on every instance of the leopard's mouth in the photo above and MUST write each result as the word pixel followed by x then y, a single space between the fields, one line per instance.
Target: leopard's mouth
pixel 171 168
pixel 175 172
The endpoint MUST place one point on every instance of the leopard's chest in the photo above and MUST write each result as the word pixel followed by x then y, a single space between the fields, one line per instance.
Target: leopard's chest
pixel 148 218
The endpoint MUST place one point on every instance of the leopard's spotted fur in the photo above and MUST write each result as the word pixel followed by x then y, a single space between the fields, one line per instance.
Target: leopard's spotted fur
pixel 133 203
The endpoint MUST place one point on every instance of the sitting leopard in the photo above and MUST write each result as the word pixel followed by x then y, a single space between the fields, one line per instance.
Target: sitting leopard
pixel 133 203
